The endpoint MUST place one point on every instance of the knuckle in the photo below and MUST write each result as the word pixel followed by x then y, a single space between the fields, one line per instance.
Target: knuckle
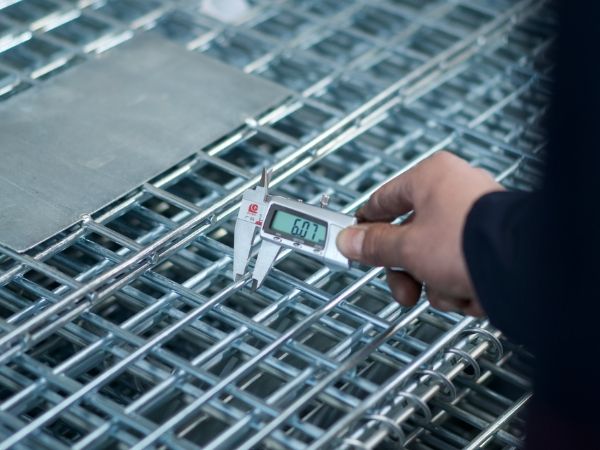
pixel 437 165
pixel 443 157
pixel 485 175
pixel 375 201
pixel 481 172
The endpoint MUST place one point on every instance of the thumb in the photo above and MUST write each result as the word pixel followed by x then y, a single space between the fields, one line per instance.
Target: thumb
pixel 376 244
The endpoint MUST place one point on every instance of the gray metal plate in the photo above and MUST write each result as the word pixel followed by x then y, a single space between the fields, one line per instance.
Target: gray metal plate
pixel 78 142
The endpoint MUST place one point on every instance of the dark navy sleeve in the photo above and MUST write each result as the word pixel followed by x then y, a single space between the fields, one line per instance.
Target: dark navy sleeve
pixel 534 259
pixel 502 249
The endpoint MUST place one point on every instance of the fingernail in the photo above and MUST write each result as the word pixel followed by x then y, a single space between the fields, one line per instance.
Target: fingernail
pixel 350 241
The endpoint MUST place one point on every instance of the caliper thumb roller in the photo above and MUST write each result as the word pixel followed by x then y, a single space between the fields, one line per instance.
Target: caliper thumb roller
pixel 285 223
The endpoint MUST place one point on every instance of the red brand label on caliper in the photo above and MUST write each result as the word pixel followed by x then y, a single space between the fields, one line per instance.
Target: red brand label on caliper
pixel 253 208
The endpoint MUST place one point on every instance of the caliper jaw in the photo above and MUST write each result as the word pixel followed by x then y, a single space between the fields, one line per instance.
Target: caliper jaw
pixel 253 210
pixel 242 244
pixel 266 257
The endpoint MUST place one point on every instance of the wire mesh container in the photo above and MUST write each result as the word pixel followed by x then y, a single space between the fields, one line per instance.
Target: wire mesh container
pixel 127 331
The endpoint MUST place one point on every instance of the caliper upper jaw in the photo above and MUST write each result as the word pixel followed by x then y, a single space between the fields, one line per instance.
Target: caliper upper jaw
pixel 242 245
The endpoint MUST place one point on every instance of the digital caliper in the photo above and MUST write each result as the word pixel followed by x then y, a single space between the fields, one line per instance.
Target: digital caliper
pixel 282 222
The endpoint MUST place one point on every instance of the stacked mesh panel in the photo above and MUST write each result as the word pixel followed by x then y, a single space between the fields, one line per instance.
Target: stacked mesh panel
pixel 127 331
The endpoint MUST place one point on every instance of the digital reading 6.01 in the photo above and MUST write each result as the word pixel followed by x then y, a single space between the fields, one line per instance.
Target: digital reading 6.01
pixel 298 226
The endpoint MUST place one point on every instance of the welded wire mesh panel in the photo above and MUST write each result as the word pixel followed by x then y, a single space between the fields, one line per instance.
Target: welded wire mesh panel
pixel 127 330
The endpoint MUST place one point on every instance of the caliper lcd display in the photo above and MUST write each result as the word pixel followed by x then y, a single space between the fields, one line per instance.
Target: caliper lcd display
pixel 292 224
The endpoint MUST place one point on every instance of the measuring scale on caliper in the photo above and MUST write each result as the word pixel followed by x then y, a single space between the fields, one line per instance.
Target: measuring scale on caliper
pixel 285 223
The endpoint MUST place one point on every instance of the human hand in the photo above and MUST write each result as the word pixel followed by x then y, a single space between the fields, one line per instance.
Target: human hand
pixel 428 246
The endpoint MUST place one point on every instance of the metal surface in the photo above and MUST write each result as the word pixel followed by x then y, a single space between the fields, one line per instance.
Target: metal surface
pixel 128 332
pixel 90 136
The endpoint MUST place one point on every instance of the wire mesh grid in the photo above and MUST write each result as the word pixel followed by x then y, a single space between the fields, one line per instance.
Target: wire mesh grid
pixel 127 331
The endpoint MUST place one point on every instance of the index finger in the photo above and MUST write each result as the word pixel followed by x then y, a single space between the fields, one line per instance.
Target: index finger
pixel 390 201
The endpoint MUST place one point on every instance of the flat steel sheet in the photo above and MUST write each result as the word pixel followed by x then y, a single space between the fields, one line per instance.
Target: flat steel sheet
pixel 78 142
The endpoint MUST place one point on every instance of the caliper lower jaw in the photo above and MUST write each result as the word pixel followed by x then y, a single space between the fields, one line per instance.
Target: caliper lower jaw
pixel 266 257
